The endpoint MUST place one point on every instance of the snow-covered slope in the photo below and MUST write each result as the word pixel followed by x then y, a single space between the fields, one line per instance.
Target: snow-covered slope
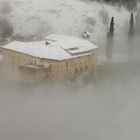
pixel 71 17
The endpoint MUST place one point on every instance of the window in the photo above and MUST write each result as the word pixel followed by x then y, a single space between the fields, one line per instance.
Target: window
pixel 13 64
pixel 35 62
pixel 76 70
pixel 67 64
pixel 86 68
pixel 81 69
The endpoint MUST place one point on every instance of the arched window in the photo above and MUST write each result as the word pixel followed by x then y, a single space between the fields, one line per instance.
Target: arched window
pixel 35 62
pixel 67 64
pixel 86 68
pixel 81 69
pixel 76 70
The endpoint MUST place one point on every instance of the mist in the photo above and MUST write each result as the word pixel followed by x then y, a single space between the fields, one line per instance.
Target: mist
pixel 103 109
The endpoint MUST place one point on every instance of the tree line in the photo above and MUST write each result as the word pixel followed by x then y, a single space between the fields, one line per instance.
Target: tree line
pixel 110 34
pixel 130 4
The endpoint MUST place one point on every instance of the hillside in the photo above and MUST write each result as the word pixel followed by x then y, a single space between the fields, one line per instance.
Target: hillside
pixel 72 17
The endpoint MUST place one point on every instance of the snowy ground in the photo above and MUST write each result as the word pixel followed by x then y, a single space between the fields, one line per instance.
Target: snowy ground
pixel 71 17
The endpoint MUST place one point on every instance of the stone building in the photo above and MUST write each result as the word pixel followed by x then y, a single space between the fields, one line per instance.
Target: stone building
pixel 57 57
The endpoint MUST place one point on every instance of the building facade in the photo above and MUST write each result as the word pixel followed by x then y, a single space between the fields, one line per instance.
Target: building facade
pixel 57 57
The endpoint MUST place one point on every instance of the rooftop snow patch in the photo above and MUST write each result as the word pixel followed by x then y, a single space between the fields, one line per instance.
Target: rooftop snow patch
pixel 70 43
pixel 58 48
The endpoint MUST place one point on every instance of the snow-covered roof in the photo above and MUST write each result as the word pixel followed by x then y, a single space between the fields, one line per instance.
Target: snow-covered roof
pixel 58 48
pixel 68 42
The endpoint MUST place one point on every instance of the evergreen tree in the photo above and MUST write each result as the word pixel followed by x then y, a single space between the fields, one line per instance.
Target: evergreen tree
pixel 131 44
pixel 130 4
pixel 112 27
pixel 131 26
pixel 110 35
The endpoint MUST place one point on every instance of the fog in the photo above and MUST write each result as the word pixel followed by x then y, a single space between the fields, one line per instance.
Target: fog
pixel 103 109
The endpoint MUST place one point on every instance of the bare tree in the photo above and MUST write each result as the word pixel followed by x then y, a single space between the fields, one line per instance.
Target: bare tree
pixel 6 8
pixel 6 29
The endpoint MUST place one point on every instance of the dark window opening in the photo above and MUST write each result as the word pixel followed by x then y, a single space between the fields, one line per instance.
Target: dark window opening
pixel 67 64
pixel 76 70
pixel 81 69
pixel 86 68
pixel 35 62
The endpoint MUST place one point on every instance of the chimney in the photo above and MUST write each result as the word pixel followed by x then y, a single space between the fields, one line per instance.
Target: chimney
pixel 86 35
pixel 47 43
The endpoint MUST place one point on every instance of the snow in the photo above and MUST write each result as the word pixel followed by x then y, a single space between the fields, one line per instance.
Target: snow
pixel 71 17
pixel 71 44
pixel 55 50
pixel 35 66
